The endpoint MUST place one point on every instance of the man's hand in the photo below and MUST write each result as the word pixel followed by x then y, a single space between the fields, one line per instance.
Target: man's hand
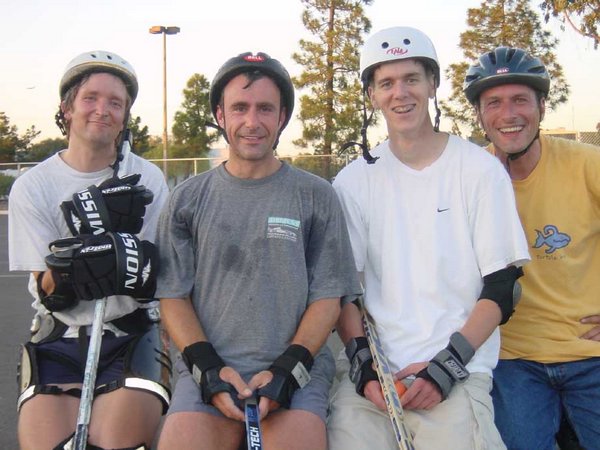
pixel 422 394
pixel 265 404
pixel 594 333
pixel 374 394
pixel 117 204
pixel 105 265
pixel 223 400
pixel 290 372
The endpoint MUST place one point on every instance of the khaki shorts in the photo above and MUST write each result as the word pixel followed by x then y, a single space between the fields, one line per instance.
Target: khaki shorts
pixel 465 420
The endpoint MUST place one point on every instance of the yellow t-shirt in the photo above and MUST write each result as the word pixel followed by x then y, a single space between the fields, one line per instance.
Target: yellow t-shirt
pixel 559 207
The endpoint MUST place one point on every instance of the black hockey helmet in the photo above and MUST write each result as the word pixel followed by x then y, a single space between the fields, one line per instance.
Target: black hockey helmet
pixel 505 65
pixel 249 62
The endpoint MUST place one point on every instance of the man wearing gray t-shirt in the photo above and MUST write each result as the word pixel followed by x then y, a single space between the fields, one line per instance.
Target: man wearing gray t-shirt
pixel 255 258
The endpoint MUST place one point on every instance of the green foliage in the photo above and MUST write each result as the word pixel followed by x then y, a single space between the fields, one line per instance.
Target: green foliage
pixel 190 133
pixel 331 113
pixel 141 138
pixel 12 146
pixel 495 23
pixel 44 149
pixel 581 15
pixel 6 183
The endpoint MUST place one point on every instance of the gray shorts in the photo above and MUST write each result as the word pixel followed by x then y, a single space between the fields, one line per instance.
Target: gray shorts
pixel 314 397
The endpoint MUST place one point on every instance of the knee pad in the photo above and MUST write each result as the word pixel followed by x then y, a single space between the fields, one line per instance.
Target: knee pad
pixel 147 366
pixel 28 378
pixel 27 373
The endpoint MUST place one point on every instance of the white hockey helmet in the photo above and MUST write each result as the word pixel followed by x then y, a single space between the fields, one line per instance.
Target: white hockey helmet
pixel 99 61
pixel 392 44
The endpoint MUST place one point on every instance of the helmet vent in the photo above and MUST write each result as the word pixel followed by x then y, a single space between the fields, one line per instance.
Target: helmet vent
pixel 385 44
pixel 492 56
pixel 511 53
pixel 406 41
pixel 537 69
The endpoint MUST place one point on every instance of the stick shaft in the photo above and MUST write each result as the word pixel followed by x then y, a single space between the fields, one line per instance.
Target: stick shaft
pixel 253 433
pixel 385 375
pixel 89 377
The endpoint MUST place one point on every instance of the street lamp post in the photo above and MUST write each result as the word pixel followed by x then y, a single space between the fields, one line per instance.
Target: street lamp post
pixel 159 29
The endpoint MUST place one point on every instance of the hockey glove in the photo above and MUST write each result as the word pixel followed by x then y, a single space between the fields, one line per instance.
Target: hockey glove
pixel 63 297
pixel 448 366
pixel 291 371
pixel 117 204
pixel 110 264
pixel 361 363
pixel 204 364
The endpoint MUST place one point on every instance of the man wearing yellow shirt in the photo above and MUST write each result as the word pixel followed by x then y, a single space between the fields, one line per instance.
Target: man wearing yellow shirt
pixel 550 356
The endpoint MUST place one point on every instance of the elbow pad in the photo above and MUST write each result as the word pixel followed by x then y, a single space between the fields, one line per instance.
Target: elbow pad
pixel 503 288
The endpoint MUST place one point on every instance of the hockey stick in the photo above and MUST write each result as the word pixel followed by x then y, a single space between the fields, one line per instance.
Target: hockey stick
pixel 89 377
pixel 385 375
pixel 93 355
pixel 253 433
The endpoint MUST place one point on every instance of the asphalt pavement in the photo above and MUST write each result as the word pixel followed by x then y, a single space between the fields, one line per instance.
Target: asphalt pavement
pixel 15 317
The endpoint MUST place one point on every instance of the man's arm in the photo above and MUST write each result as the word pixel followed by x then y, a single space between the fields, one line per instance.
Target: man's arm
pixel 180 320
pixel 350 329
pixel 316 324
pixel 436 378
pixel 482 322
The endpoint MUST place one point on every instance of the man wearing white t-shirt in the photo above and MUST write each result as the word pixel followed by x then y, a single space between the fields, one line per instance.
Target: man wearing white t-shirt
pixel 81 222
pixel 438 243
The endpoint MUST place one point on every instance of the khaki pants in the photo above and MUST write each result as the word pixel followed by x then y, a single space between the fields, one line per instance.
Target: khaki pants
pixel 464 421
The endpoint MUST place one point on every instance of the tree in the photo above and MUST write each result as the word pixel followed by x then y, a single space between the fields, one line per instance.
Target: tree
pixel 332 113
pixel 495 23
pixel 141 138
pixel 12 146
pixel 583 16
pixel 192 138
pixel 6 182
pixel 44 149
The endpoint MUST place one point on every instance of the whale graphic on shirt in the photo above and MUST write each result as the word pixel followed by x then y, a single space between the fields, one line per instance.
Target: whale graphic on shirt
pixel 551 237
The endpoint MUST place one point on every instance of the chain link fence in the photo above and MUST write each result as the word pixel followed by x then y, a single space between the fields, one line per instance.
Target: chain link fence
pixel 180 169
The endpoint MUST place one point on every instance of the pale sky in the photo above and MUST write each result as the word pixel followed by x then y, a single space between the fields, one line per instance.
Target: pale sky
pixel 39 38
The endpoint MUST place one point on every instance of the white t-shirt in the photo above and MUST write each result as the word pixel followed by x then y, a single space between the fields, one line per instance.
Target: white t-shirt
pixel 424 239
pixel 35 220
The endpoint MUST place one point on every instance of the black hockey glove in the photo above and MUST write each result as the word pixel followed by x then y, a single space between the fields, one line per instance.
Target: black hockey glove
pixel 291 371
pixel 110 264
pixel 204 364
pixel 361 363
pixel 117 204
pixel 448 366
pixel 63 297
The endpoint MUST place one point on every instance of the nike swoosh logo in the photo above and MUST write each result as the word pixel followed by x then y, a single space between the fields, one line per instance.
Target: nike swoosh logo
pixel 442 210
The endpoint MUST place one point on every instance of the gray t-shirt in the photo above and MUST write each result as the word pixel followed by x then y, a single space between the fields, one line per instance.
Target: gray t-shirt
pixel 252 255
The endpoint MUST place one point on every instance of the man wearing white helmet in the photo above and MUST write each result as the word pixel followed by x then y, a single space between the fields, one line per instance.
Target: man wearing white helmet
pixel 550 354
pixel 438 244
pixel 80 222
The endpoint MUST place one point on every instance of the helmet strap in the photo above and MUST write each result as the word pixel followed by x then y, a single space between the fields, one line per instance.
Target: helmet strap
pixel 438 114
pixel 59 118
pixel 124 138
pixel 364 145
pixel 517 155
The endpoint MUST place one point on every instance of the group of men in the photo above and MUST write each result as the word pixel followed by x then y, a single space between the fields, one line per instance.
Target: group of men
pixel 255 262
